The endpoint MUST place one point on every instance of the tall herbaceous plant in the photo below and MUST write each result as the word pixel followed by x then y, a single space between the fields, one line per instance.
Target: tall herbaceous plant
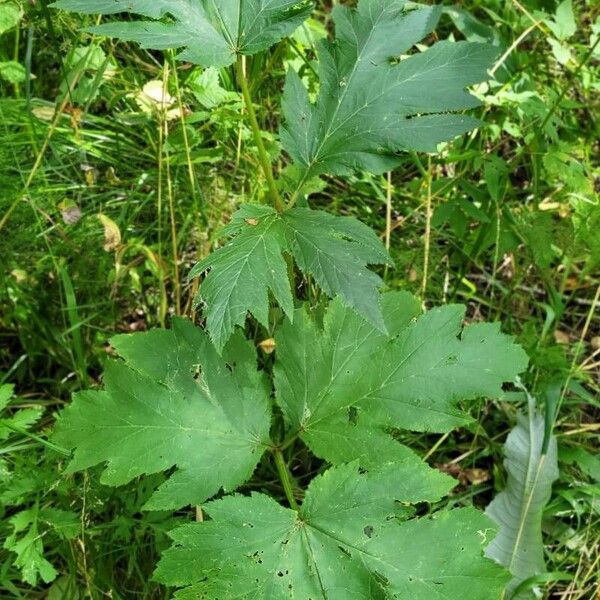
pixel 193 401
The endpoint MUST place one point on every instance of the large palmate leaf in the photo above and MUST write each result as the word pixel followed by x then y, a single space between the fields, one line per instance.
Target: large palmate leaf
pixel 172 402
pixel 519 508
pixel 341 387
pixel 334 250
pixel 213 32
pixel 372 103
pixel 344 543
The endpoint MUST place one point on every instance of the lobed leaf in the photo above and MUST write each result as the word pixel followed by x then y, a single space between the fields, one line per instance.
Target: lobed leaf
pixel 344 542
pixel 171 402
pixel 22 419
pixel 334 250
pixel 374 102
pixel 341 387
pixel 212 33
pixel 26 541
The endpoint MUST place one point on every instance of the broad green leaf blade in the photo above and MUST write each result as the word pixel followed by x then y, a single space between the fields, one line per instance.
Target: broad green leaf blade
pixel 146 8
pixel 343 543
pixel 372 101
pixel 244 271
pixel 172 402
pixel 255 25
pixel 334 250
pixel 519 508
pixel 211 33
pixel 341 387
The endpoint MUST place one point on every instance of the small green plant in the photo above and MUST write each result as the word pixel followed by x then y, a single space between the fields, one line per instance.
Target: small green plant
pixel 27 531
pixel 347 375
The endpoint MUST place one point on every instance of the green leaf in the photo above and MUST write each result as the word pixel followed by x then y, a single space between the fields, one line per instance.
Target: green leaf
pixel 65 523
pixel 563 25
pixel 471 27
pixel 6 392
pixel 334 250
pixel 29 548
pixel 172 402
pixel 341 387
pixel 518 509
pixel 12 71
pixel 343 543
pixel 21 419
pixel 211 32
pixel 206 86
pixel 10 15
pixel 243 271
pixel 588 463
pixel 372 101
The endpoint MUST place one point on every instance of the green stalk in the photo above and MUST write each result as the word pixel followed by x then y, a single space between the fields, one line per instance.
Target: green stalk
pixel 262 153
pixel 284 476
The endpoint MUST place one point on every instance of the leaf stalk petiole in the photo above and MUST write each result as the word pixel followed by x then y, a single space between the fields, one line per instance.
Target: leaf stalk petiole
pixel 256 134
pixel 285 477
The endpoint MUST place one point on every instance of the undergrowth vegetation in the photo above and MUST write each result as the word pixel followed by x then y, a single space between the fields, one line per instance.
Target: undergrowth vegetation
pixel 299 302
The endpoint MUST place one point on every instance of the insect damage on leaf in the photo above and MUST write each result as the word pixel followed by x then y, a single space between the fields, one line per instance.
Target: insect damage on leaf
pixel 343 386
pixel 334 250
pixel 344 542
pixel 172 402
pixel 212 32
pixel 197 407
pixel 373 102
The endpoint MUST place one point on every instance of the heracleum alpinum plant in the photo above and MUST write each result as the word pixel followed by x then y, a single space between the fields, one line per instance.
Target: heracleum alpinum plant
pixel 193 402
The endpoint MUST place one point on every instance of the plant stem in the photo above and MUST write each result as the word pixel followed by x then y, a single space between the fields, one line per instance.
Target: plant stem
pixel 284 476
pixel 388 219
pixel 172 217
pixel 428 214
pixel 256 134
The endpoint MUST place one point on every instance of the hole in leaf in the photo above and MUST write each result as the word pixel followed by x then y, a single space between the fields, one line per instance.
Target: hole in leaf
pixel 452 359
pixel 352 415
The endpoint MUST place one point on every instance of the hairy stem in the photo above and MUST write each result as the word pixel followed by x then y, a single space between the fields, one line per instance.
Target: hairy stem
pixel 262 153
pixel 286 480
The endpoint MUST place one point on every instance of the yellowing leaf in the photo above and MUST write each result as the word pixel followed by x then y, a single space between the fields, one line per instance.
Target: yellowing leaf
pixel 268 346
pixel 112 233
pixel 69 211
pixel 155 92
